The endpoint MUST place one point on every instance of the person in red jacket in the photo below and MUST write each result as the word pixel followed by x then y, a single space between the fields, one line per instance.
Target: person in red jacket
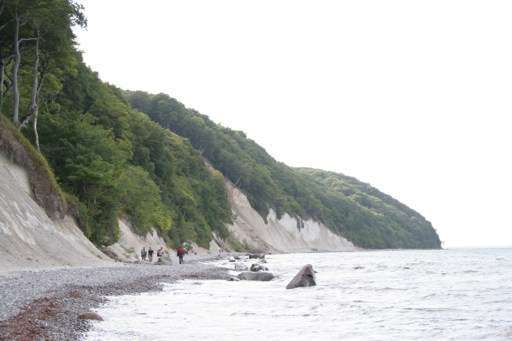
pixel 180 252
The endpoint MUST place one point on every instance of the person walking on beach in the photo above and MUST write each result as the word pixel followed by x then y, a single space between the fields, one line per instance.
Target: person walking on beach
pixel 150 254
pixel 180 252
pixel 143 253
pixel 160 253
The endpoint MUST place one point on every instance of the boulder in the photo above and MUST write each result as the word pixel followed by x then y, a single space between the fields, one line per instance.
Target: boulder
pixel 110 254
pixel 241 267
pixel 90 316
pixel 304 278
pixel 233 279
pixel 232 259
pixel 256 276
pixel 256 256
pixel 164 260
pixel 258 267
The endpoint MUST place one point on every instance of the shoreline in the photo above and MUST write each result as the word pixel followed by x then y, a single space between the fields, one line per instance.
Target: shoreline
pixel 46 304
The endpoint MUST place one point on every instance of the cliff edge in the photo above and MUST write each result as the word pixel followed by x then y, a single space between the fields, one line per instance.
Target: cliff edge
pixel 34 235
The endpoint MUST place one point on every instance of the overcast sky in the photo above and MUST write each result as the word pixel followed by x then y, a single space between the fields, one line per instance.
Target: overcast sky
pixel 413 97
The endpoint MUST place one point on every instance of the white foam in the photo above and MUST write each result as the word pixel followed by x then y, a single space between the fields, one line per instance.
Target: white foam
pixel 396 295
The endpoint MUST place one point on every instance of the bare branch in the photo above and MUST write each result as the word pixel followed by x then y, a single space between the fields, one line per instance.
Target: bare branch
pixel 26 39
pixel 5 24
pixel 2 7
pixel 25 120
pixel 40 83
pixel 9 78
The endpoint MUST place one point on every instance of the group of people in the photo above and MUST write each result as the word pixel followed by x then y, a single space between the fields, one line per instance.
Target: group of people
pixel 180 252
pixel 149 253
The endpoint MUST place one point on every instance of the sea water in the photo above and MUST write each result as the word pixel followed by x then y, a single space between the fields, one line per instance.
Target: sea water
pixel 374 295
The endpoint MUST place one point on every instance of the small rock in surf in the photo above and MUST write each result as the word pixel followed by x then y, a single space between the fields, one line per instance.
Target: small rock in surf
pixel 256 276
pixel 258 267
pixel 90 316
pixel 241 267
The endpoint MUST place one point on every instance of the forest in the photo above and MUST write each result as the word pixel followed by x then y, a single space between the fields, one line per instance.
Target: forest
pixel 117 153
pixel 109 160
pixel 355 210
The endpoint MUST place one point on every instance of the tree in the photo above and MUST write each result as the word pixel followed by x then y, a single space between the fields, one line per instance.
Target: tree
pixel 47 25
pixel 51 21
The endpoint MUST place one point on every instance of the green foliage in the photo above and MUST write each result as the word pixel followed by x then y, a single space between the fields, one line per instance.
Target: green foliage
pixel 390 224
pixel 117 161
pixel 87 161
pixel 141 200
pixel 195 195
pixel 114 161
pixel 367 217
pixel 111 160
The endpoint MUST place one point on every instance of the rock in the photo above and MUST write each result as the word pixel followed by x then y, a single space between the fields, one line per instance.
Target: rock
pixel 233 279
pixel 256 276
pixel 237 257
pixel 256 256
pixel 241 267
pixel 358 267
pixel 304 278
pixel 232 259
pixel 258 267
pixel 263 260
pixel 110 254
pixel 164 260
pixel 90 316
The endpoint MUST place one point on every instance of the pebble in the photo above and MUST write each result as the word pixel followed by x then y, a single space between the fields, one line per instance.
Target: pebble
pixel 78 289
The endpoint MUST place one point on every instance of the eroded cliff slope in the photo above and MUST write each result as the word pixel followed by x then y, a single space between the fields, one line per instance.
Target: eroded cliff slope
pixel 285 234
pixel 35 231
pixel 29 238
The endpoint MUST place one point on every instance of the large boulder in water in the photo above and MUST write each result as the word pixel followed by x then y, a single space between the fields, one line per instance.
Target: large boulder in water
pixel 256 276
pixel 304 278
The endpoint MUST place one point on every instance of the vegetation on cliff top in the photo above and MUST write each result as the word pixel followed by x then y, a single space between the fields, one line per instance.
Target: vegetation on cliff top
pixel 270 184
pixel 112 160
pixel 389 221
pixel 108 158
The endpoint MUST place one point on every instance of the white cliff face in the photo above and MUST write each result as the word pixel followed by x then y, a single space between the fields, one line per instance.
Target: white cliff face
pixel 280 235
pixel 28 237
pixel 128 247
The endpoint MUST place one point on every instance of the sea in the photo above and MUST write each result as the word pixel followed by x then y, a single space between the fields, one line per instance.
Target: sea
pixel 459 294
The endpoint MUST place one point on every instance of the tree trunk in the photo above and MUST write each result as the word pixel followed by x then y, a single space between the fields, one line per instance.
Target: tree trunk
pixel 2 81
pixel 36 134
pixel 34 107
pixel 15 70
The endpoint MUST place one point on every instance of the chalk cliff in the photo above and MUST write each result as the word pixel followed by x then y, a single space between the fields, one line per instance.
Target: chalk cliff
pixel 29 238
pixel 287 234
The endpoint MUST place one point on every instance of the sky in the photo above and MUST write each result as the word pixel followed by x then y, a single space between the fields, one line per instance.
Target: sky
pixel 413 97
